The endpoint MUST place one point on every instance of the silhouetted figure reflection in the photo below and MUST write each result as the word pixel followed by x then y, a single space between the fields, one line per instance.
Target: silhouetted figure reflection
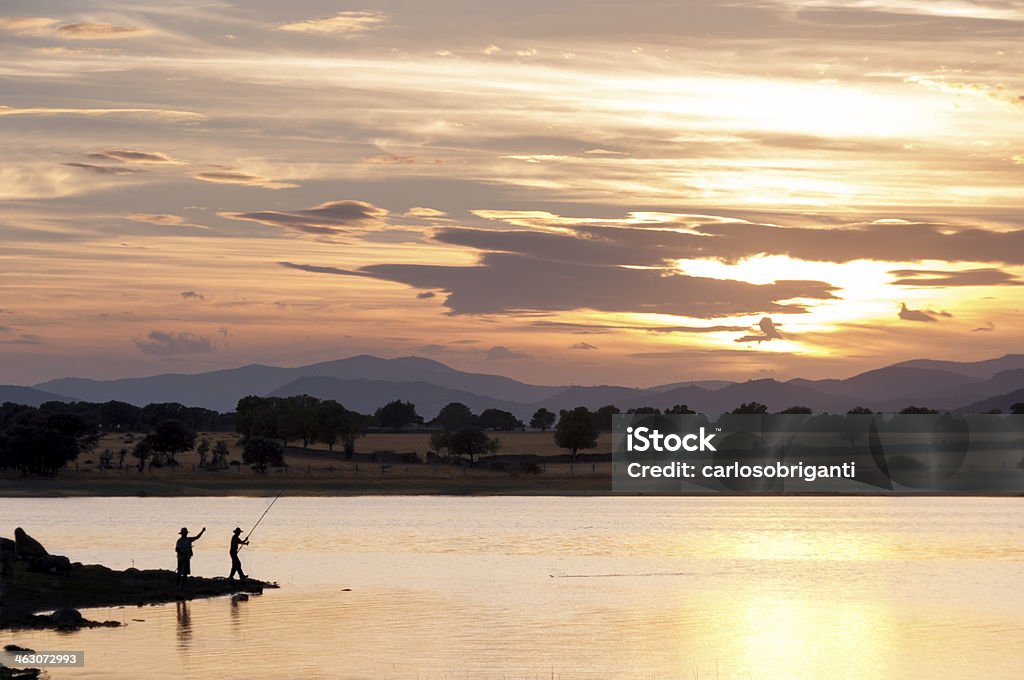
pixel 236 564
pixel 184 622
pixel 183 548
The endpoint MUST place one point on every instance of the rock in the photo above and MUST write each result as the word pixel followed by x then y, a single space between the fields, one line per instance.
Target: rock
pixel 239 597
pixel 28 548
pixel 51 564
pixel 66 617
pixel 16 648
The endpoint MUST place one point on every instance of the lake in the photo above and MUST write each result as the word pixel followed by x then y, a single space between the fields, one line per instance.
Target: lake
pixel 558 588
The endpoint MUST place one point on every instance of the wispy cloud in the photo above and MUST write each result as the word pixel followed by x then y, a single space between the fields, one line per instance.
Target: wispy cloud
pixel 162 343
pixel 81 30
pixel 242 178
pixel 346 24
pixel 162 114
pixel 135 156
pixel 922 315
pixel 333 217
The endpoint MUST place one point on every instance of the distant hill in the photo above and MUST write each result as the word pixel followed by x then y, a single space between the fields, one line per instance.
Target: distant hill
pixel 218 390
pixel 976 369
pixel 366 396
pixel 221 390
pixel 705 384
pixel 1003 402
pixel 28 395
pixel 593 397
pixel 366 382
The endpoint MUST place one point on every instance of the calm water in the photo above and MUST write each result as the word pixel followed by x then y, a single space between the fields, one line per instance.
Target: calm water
pixel 562 588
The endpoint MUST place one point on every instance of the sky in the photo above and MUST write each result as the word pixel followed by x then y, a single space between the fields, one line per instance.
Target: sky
pixel 600 192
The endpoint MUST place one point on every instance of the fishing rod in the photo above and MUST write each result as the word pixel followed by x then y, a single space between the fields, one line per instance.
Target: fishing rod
pixel 268 508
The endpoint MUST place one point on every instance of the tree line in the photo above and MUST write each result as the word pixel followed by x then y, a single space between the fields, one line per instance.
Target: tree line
pixel 41 440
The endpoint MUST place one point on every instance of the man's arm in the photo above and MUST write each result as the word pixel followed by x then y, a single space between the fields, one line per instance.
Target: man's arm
pixel 200 534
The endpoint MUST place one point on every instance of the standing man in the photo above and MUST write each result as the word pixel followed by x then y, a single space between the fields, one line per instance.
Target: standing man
pixel 184 550
pixel 236 564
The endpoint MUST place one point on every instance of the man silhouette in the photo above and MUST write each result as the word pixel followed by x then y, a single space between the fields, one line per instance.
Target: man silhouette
pixel 183 548
pixel 236 564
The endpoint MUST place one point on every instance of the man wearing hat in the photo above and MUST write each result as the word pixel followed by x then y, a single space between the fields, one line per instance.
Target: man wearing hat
pixel 184 550
pixel 236 564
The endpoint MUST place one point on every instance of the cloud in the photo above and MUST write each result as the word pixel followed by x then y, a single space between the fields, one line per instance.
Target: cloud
pixel 923 315
pixel 390 159
pixel 164 114
pixel 85 30
pixel 347 24
pixel 583 345
pixel 101 169
pixel 335 217
pixel 654 238
pixel 192 295
pixel 426 213
pixel 987 328
pixel 769 331
pixel 500 353
pixel 969 277
pixel 426 296
pixel 503 283
pixel 243 178
pixel 133 156
pixel 89 30
pixel 23 339
pixel 160 343
pixel 163 220
pixel 588 328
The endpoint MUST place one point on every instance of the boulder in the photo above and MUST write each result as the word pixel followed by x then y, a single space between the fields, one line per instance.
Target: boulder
pixel 239 597
pixel 66 617
pixel 28 547
pixel 51 564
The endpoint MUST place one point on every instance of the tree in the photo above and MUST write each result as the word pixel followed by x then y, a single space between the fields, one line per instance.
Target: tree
pixel 261 453
pixel 397 414
pixel 203 449
pixel 644 411
pixel 472 443
pixel 143 451
pixel 496 419
pixel 797 410
pixel 220 456
pixel 603 417
pixel 336 423
pixel 454 416
pixel 1017 409
pixel 441 441
pixel 680 409
pixel 171 437
pixel 298 419
pixel 860 411
pixel 542 419
pixel 750 408
pixel 576 430
pixel 918 411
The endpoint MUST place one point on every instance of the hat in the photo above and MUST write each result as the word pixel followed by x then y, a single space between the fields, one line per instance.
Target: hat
pixel 237 530
pixel 183 531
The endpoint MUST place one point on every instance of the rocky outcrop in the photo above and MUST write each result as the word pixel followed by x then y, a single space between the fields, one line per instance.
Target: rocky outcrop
pixel 54 583
pixel 27 547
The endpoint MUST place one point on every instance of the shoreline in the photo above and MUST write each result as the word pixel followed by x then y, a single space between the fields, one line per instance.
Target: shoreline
pixel 90 586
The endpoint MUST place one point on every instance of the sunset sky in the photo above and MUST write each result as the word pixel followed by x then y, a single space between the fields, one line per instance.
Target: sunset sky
pixel 563 192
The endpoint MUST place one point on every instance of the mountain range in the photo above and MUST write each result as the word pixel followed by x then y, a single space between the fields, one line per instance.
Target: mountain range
pixel 363 383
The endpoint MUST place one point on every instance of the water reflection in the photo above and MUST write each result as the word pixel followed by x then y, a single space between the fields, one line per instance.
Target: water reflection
pixel 184 623
pixel 760 589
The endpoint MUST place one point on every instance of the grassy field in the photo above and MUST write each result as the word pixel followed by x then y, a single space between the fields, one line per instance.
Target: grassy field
pixel 316 471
